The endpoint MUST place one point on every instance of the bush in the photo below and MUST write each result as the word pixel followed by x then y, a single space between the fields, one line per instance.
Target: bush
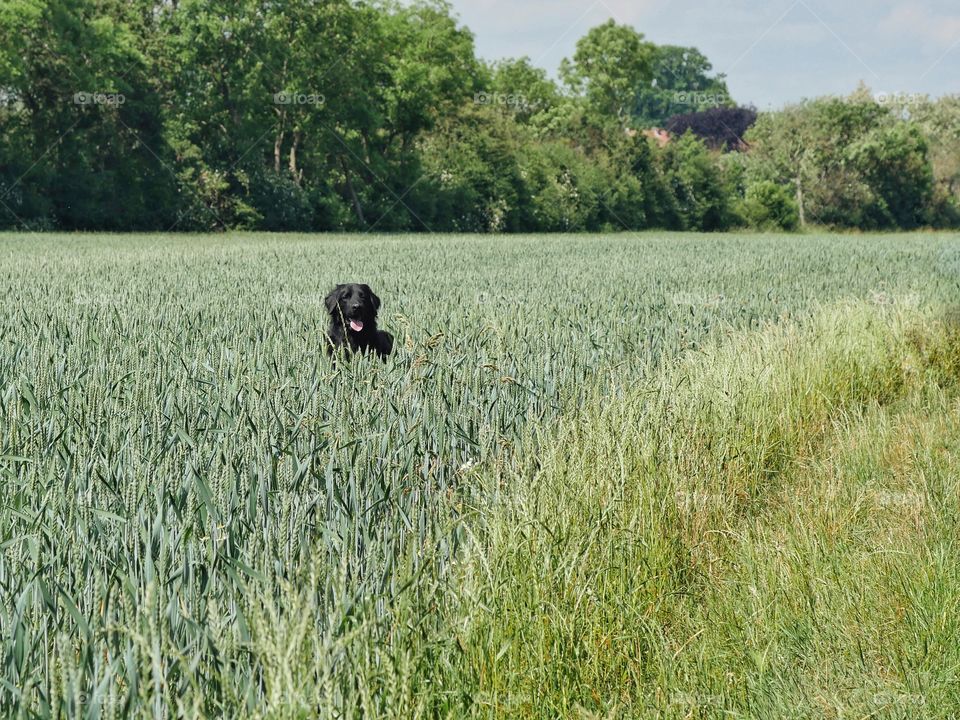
pixel 281 203
pixel 566 189
pixel 696 180
pixel 471 159
pixel 769 206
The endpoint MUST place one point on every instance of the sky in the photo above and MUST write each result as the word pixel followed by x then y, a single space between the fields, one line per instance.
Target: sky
pixel 772 51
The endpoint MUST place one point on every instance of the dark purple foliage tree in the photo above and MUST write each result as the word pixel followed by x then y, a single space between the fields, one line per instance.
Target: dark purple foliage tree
pixel 721 128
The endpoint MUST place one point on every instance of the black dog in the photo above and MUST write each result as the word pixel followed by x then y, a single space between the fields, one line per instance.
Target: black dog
pixel 353 321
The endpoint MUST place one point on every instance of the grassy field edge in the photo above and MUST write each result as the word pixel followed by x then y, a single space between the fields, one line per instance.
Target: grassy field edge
pixel 727 540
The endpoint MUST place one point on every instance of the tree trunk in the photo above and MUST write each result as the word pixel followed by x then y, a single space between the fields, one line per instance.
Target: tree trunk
pixel 277 151
pixel 297 174
pixel 282 117
pixel 799 183
pixel 353 193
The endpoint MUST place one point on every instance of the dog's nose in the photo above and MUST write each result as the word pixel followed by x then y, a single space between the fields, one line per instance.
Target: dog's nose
pixel 355 306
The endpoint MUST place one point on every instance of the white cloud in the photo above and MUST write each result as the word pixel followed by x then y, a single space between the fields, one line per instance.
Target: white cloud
pixel 919 22
pixel 546 30
pixel 775 52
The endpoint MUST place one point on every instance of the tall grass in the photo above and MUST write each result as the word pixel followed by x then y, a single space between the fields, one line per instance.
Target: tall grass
pixel 767 531
pixel 530 510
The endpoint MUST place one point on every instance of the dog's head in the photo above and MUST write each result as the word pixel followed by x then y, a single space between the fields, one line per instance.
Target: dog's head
pixel 354 306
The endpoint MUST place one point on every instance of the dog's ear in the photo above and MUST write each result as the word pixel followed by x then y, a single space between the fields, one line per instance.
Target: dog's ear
pixel 331 300
pixel 373 297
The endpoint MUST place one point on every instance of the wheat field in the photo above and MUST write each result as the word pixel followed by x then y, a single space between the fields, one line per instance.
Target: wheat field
pixel 662 475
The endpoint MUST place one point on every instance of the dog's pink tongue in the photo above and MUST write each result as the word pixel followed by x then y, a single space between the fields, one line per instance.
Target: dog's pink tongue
pixel 356 325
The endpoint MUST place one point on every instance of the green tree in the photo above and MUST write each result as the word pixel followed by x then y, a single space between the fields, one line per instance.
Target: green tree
pixel 892 160
pixel 610 65
pixel 475 180
pixel 939 123
pixel 424 71
pixel 79 115
pixel 523 89
pixel 769 206
pixel 849 162
pixel 696 180
pixel 782 151
pixel 216 114
pixel 680 83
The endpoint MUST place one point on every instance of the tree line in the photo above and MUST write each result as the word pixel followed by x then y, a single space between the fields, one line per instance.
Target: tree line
pixel 200 115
